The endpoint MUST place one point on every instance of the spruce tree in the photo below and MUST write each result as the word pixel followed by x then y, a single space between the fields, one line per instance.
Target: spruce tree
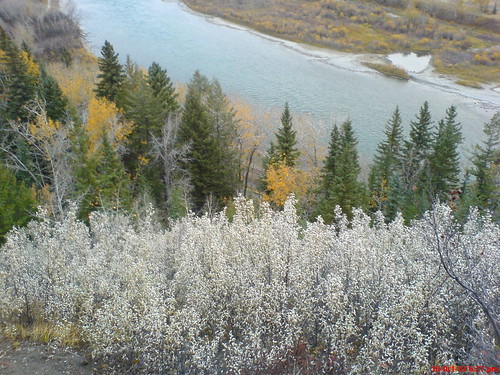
pixel 340 185
pixel 162 89
pixel 485 190
pixel 56 103
pixel 415 169
pixel 209 126
pixel 445 158
pixel 141 107
pixel 202 161
pixel 350 192
pixel 111 76
pixel 421 132
pixel 385 172
pixel 285 148
pixel 111 190
pixel 17 202
pixel 22 79
pixel 329 177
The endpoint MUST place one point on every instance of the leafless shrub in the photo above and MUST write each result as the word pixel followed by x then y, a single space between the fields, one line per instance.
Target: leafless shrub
pixel 47 31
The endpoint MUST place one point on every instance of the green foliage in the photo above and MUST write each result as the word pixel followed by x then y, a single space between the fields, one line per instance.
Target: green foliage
pixel 162 88
pixel 210 132
pixel 148 110
pixel 445 159
pixel 111 76
pixel 340 185
pixel 385 173
pixel 178 204
pixel 109 188
pixel 20 79
pixel 421 132
pixel 415 167
pixel 17 202
pixel 111 181
pixel 485 190
pixel 56 104
pixel 285 149
pixel 100 179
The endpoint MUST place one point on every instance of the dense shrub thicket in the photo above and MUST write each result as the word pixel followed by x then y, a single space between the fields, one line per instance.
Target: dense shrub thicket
pixel 262 294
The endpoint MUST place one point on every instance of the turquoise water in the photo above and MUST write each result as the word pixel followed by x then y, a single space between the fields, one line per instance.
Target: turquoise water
pixel 262 71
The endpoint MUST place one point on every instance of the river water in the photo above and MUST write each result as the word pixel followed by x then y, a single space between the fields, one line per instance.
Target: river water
pixel 266 72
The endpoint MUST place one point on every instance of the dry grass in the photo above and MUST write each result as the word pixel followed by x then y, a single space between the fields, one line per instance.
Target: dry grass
pixel 389 70
pixel 43 332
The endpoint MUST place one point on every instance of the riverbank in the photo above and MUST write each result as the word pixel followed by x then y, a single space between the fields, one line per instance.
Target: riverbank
pixel 487 98
pixel 463 42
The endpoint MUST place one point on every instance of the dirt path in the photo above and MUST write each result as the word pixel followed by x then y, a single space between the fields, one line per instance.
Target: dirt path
pixel 37 359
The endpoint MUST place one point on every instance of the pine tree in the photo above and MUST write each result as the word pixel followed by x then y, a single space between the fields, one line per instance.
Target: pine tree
pixel 285 148
pixel 445 158
pixel 162 88
pixel 385 171
pixel 111 76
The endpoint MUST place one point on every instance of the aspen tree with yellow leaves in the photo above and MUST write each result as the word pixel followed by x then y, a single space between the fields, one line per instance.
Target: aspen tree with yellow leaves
pixel 282 181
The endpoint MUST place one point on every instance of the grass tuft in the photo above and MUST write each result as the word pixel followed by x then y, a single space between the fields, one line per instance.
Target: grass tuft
pixel 389 70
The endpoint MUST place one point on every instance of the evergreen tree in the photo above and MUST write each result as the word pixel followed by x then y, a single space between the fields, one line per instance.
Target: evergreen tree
pixel 208 125
pixel 329 177
pixel 17 202
pixel 111 76
pixel 350 192
pixel 385 171
pixel 162 88
pixel 415 165
pixel 21 81
pixel 340 185
pixel 285 148
pixel 111 190
pixel 421 132
pixel 445 159
pixel 143 108
pixel 56 104
pixel 84 167
pixel 485 190
pixel 196 131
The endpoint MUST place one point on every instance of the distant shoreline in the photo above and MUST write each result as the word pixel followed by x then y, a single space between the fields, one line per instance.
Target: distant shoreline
pixel 487 98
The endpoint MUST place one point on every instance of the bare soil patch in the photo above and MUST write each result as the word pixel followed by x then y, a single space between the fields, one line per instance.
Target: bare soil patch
pixel 39 359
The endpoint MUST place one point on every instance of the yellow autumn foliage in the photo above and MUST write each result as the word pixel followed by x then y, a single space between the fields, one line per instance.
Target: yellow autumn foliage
pixel 32 67
pixel 283 180
pixel 43 128
pixel 103 115
pixel 77 82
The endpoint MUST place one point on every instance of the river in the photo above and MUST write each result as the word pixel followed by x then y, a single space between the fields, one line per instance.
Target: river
pixel 266 72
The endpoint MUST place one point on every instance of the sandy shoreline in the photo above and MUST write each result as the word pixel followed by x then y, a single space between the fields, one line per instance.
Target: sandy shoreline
pixel 487 98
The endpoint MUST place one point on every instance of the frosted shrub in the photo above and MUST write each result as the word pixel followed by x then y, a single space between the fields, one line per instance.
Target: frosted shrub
pixel 261 294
